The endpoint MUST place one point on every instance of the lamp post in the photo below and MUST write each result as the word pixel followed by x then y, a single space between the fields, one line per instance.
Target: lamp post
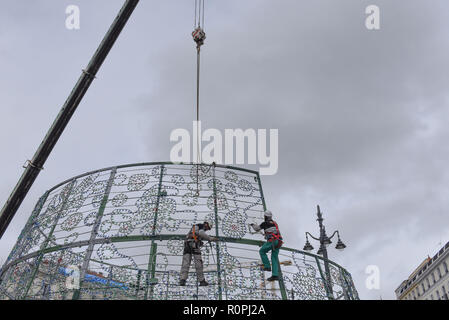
pixel 324 242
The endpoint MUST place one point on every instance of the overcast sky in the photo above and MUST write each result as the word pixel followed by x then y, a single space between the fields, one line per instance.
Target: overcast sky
pixel 361 114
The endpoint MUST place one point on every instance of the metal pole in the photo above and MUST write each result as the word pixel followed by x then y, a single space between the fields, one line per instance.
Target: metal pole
pixel 220 296
pixel 27 229
pixel 324 249
pixel 153 249
pixel 168 285
pixel 45 243
pixel 139 275
pixel 53 275
pixel 261 192
pixel 153 256
pixel 281 278
pixel 322 277
pixel 36 164
pixel 94 232
pixel 328 278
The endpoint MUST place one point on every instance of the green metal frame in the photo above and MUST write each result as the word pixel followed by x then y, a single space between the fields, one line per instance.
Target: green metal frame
pixel 220 296
pixel 323 278
pixel 87 258
pixel 45 243
pixel 160 237
pixel 150 272
pixel 153 249
pixel 165 237
pixel 281 279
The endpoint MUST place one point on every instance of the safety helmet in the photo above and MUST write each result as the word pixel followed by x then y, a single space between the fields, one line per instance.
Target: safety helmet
pixel 268 214
pixel 209 222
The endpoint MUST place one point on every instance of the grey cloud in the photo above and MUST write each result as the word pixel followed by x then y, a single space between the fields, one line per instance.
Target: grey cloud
pixel 361 115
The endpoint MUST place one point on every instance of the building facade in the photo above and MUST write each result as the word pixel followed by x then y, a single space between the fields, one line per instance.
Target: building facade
pixel 429 281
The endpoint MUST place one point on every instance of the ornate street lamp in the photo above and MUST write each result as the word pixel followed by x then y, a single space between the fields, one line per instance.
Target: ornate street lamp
pixel 324 241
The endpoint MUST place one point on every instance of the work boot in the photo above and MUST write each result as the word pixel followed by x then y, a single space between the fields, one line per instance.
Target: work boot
pixel 182 282
pixel 203 283
pixel 273 278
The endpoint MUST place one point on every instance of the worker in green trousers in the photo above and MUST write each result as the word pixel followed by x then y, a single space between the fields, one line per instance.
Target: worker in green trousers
pixel 274 242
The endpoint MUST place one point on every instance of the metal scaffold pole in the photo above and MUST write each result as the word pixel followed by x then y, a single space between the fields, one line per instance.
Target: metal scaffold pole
pixel 35 165
pixel 151 272
pixel 49 238
pixel 93 234
pixel 281 278
pixel 217 234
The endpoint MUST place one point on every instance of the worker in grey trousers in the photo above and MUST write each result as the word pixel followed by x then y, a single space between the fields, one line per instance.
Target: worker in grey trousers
pixel 192 248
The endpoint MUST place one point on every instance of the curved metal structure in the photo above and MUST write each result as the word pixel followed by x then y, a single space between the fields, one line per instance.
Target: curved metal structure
pixel 117 233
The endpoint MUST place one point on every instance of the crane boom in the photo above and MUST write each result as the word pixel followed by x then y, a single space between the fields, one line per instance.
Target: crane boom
pixel 35 165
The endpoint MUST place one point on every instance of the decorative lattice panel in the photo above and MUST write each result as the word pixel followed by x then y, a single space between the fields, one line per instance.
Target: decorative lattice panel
pixel 122 228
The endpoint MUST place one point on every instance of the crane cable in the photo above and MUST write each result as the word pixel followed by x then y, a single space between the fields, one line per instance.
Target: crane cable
pixel 199 36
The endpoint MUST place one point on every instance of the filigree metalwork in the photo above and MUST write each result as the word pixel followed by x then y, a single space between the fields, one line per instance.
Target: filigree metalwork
pixel 122 228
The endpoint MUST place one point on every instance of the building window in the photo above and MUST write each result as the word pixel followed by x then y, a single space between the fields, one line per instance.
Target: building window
pixel 438 295
pixel 444 292
pixel 439 272
pixel 423 288
pixel 433 278
pixel 445 266
pixel 431 297
pixel 428 283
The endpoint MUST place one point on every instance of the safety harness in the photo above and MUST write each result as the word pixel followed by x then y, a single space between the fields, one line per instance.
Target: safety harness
pixel 273 236
pixel 195 238
pixel 192 243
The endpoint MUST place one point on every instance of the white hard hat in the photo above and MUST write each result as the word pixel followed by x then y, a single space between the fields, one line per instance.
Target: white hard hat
pixel 268 214
pixel 209 222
